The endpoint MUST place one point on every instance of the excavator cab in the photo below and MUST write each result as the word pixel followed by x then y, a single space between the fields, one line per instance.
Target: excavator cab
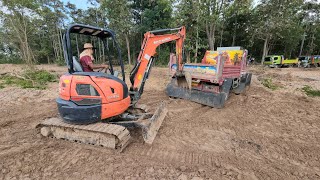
pixel 88 97
pixel 106 36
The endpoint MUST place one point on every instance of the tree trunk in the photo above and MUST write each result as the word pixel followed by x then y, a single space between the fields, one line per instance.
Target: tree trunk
pixel 128 47
pixel 61 40
pixel 312 44
pixel 197 46
pixel 210 28
pixel 21 33
pixel 221 35
pixel 302 43
pixel 234 37
pixel 188 57
pixel 265 49
pixel 235 28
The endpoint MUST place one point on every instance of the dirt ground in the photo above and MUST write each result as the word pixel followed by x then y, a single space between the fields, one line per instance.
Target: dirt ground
pixel 264 134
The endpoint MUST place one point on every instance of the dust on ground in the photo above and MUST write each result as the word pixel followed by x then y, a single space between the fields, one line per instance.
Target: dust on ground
pixel 263 134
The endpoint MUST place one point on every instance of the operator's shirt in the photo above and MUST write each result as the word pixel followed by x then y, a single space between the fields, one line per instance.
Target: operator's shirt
pixel 85 61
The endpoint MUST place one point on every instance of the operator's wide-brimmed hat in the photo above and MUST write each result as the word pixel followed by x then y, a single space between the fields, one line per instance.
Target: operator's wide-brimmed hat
pixel 88 46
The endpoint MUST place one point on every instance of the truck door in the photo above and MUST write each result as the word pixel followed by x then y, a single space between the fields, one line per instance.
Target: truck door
pixel 282 59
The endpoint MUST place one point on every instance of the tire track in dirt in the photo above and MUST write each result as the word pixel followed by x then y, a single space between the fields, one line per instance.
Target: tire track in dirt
pixel 179 137
pixel 194 159
pixel 177 157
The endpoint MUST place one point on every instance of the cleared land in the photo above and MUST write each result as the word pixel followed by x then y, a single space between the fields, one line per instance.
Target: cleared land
pixel 265 134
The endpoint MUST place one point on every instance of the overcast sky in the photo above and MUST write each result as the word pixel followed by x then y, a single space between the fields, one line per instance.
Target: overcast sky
pixel 83 5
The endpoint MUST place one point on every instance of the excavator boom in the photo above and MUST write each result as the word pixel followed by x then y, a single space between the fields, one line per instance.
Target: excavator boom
pixel 152 40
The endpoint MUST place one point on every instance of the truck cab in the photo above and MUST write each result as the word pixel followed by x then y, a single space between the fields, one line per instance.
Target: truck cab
pixel 310 61
pixel 304 60
pixel 274 60
pixel 278 61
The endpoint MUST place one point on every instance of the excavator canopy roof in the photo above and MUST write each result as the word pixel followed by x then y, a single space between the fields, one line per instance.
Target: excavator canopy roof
pixel 91 31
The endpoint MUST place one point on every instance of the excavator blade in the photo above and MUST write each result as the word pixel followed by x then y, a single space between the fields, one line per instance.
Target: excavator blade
pixel 101 134
pixel 152 125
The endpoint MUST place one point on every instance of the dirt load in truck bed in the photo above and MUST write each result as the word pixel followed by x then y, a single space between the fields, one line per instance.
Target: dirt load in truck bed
pixel 264 134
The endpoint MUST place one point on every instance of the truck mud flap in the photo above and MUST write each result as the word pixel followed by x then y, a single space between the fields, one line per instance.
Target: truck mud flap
pixel 216 100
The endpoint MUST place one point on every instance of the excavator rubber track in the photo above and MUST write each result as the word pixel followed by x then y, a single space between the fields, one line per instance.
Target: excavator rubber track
pixel 101 134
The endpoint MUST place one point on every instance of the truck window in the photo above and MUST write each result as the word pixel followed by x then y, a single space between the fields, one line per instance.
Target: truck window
pixel 275 58
pixel 267 58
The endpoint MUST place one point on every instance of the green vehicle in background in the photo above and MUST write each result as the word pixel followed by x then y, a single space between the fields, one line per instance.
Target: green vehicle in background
pixel 278 61
pixel 304 61
pixel 309 61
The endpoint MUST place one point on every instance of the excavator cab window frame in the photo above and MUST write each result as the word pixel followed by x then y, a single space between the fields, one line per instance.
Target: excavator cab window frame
pixel 101 33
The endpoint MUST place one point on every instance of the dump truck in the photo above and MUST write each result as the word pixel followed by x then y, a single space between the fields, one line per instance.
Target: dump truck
pixel 210 82
pixel 309 61
pixel 278 61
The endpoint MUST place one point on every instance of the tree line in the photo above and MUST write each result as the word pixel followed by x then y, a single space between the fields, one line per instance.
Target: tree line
pixel 31 31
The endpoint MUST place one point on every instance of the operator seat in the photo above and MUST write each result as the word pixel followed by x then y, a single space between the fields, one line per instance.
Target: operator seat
pixel 76 65
pixel 78 68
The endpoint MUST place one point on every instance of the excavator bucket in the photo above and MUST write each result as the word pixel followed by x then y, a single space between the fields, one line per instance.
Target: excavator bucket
pixel 150 130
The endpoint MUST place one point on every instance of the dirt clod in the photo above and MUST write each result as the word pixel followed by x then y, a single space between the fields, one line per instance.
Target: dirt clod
pixel 182 168
pixel 197 178
pixel 183 177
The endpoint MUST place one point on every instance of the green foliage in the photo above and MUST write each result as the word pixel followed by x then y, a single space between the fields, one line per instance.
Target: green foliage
pixel 267 82
pixel 60 62
pixel 41 77
pixel 32 31
pixel 10 60
pixel 13 80
pixel 37 79
pixel 310 91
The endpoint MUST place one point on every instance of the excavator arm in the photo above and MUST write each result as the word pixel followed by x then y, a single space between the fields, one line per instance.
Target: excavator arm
pixel 152 40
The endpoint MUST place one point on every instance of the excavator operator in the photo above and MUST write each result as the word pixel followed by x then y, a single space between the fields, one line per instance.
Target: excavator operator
pixel 86 59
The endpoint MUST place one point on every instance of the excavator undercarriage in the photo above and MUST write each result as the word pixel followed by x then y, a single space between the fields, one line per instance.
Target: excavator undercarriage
pixel 113 133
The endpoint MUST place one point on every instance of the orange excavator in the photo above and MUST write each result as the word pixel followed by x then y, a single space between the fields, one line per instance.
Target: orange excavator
pixel 98 107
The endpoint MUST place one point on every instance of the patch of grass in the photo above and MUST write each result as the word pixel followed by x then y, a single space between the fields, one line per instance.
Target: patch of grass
pixel 310 91
pixel 10 60
pixel 13 80
pixel 37 79
pixel 269 84
pixel 60 62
